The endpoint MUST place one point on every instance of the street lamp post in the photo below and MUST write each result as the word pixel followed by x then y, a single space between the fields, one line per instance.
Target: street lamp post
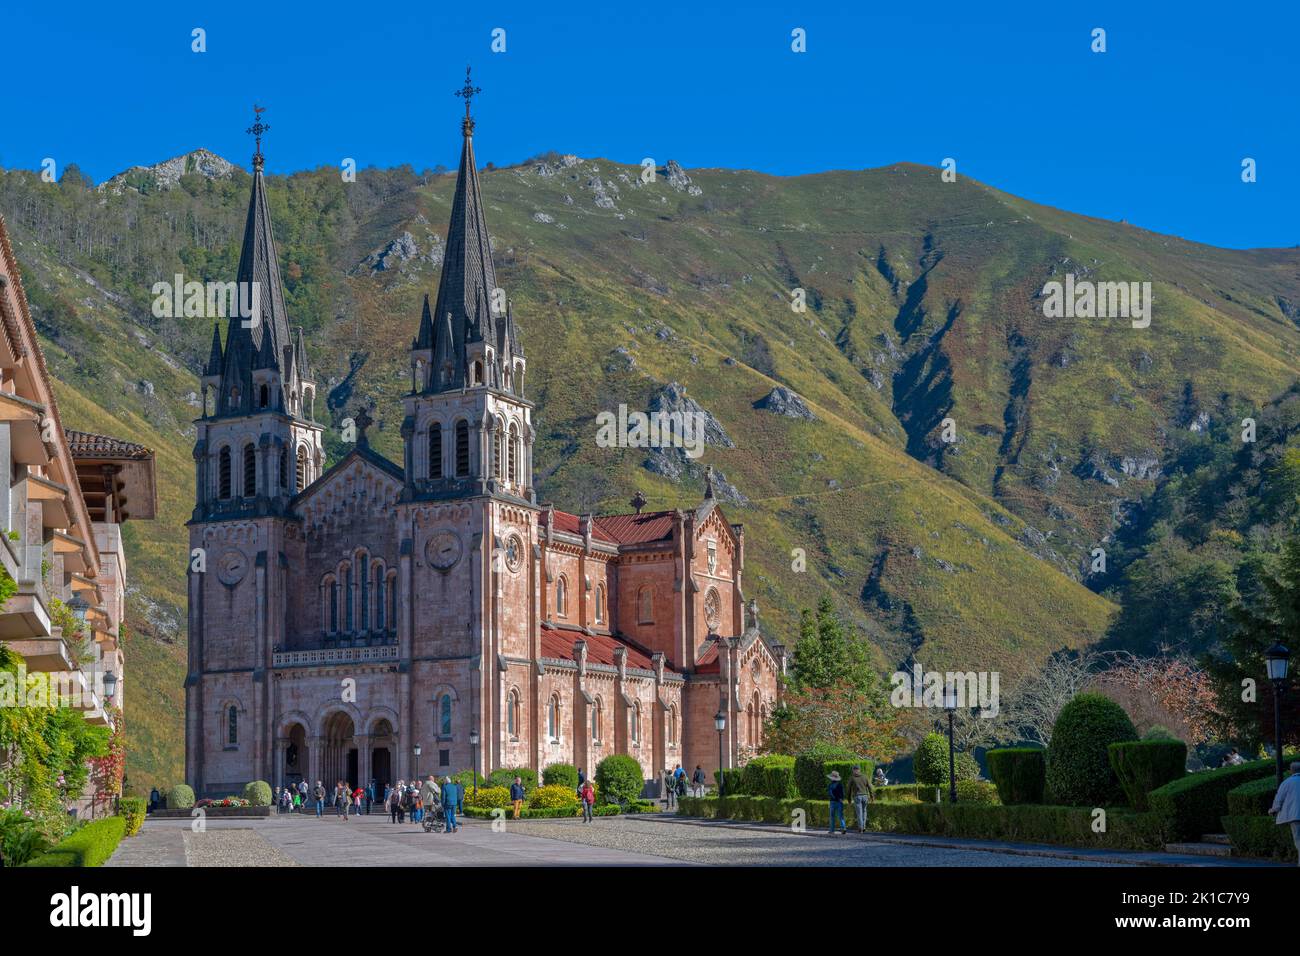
pixel 950 705
pixel 473 743
pixel 720 722
pixel 1277 659
pixel 416 751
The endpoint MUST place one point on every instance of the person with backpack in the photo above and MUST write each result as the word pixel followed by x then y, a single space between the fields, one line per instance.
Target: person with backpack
pixel 836 794
pixel 587 794
pixel 450 801
pixel 861 793
pixel 319 794
pixel 697 780
pixel 395 801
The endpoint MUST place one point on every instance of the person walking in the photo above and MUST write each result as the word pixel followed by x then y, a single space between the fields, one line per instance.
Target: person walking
pixel 429 795
pixel 341 799
pixel 319 794
pixel 697 780
pixel 370 796
pixel 1286 805
pixel 836 794
pixel 670 789
pixel 861 793
pixel 517 794
pixel 357 794
pixel 155 798
pixel 395 801
pixel 587 794
pixel 450 800
pixel 297 801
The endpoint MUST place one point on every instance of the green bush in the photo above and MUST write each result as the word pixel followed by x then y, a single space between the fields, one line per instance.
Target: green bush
pixel 90 845
pixel 257 793
pixel 1159 733
pixel 930 762
pixel 810 769
pixel 907 793
pixel 488 797
pixel 1019 773
pixel 731 779
pixel 845 769
pixel 1193 805
pixel 467 779
pixel 1079 773
pixel 1144 765
pixel 20 837
pixel 1254 835
pixel 619 779
pixel 560 775
pixel 505 777
pixel 1252 799
pixel 180 797
pixel 132 809
pixel 771 775
pixel 975 791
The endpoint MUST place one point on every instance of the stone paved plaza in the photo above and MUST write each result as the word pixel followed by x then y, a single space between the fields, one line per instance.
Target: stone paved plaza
pixel 649 840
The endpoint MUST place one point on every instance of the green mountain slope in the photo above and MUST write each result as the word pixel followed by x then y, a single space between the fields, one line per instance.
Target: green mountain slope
pixel 921 306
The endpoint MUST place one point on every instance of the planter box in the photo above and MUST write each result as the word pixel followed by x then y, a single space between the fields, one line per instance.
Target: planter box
pixel 213 812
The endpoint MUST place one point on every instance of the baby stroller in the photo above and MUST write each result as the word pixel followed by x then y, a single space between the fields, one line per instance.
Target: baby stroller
pixel 435 820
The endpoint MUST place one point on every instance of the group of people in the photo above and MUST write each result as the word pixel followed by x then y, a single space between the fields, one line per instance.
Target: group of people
pixel 676 784
pixel 345 800
pixel 860 790
pixel 413 800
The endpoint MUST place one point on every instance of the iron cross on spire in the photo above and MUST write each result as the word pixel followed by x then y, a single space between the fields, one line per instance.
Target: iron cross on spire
pixel 469 90
pixel 256 130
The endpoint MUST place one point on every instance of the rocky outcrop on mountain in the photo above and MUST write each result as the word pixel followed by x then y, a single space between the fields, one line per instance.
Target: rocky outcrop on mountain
pixel 672 398
pixel 678 179
pixel 782 401
pixel 167 174
pixel 396 253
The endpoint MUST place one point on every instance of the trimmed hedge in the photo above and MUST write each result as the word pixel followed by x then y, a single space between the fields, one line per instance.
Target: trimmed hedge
pixel 257 793
pixel 90 845
pixel 731 779
pixel 907 793
pixel 930 762
pixel 1020 773
pixel 1025 823
pixel 560 775
pixel 554 813
pixel 553 796
pixel 1194 804
pixel 132 809
pixel 1079 773
pixel 1254 835
pixel 180 797
pixel 505 777
pixel 771 775
pixel 1252 799
pixel 1145 765
pixel 619 779
pixel 488 797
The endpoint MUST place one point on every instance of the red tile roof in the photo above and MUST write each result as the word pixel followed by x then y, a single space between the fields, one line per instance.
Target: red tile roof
pixel 558 644
pixel 88 445
pixel 569 524
pixel 708 664
pixel 637 529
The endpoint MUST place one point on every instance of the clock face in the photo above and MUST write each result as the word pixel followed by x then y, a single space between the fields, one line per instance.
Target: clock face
pixel 443 550
pixel 514 552
pixel 231 567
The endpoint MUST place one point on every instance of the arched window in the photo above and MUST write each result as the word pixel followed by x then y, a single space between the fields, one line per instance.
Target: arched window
pixel 435 450
pixel 392 600
pixel 232 725
pixel 478 374
pixel 596 708
pixel 347 598
pixel 634 716
pixel 553 718
pixel 672 724
pixel 302 467
pixel 600 604
pixel 512 715
pixel 462 449
pixel 264 396
pixel 333 586
pixel 562 596
pixel 363 569
pixel 498 439
pixel 284 468
pixel 381 599
pixel 444 715
pixel 223 473
pixel 645 606
pixel 250 470
pixel 513 447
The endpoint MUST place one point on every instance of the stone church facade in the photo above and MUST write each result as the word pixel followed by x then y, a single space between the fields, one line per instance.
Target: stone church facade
pixel 342 618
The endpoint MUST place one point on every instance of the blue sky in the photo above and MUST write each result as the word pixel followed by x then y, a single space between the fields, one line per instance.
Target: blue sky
pixel 1153 131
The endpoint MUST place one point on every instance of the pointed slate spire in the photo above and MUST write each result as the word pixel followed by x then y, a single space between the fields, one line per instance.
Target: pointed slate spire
pixel 424 336
pixel 300 356
pixel 214 357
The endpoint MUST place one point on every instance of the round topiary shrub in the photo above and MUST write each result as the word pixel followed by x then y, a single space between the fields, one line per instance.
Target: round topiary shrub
pixel 1019 773
pixel 257 793
pixel 180 797
pixel 505 777
pixel 1079 773
pixel 619 779
pixel 561 774
pixel 553 797
pixel 930 762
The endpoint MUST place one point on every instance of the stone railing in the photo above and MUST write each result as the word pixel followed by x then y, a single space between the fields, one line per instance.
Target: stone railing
pixel 335 655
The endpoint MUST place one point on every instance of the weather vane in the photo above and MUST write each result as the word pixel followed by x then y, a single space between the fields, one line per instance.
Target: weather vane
pixel 257 129
pixel 468 91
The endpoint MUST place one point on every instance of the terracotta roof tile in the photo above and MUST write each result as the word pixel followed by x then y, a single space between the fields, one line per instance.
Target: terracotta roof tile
pixel 637 528
pixel 88 445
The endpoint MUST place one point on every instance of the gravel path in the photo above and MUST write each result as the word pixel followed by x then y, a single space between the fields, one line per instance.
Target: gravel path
pixel 230 847
pixel 766 846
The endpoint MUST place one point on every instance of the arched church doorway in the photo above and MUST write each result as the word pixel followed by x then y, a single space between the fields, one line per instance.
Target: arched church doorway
pixel 295 756
pixel 340 751
pixel 383 746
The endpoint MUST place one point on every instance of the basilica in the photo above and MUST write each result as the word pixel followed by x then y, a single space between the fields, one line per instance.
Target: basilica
pixel 377 619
